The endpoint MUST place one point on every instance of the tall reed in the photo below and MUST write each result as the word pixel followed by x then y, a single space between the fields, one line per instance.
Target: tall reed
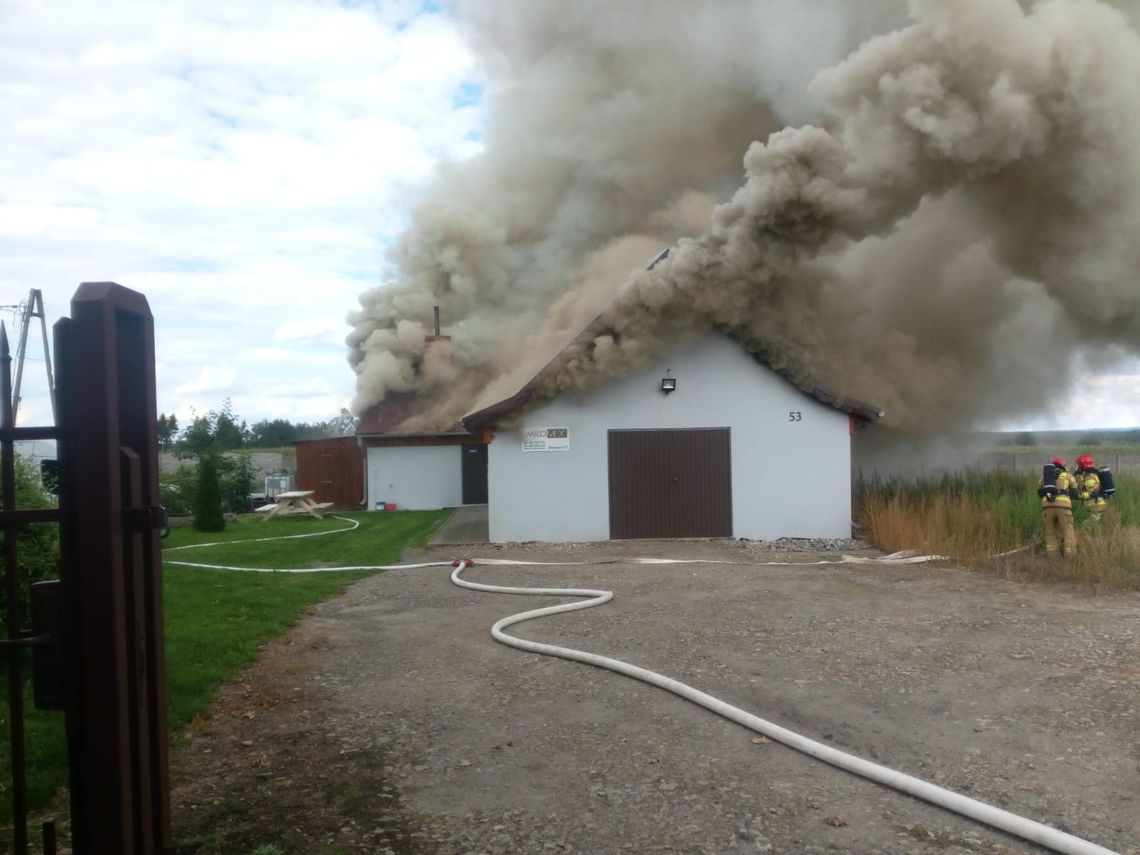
pixel 991 521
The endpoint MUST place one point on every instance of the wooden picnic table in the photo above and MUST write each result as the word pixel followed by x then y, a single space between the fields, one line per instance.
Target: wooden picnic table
pixel 294 502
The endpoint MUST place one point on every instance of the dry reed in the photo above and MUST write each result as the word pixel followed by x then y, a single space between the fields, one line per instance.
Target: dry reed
pixel 975 531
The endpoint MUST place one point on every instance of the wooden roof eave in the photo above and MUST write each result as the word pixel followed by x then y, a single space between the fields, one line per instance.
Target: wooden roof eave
pixel 851 406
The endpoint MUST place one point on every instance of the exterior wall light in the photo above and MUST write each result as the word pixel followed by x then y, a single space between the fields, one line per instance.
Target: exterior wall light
pixel 668 384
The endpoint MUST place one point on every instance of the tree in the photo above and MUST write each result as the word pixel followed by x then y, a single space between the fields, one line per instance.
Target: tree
pixel 167 428
pixel 208 506
pixel 235 473
pixel 273 433
pixel 226 433
pixel 218 430
pixel 37 544
pixel 343 424
pixel 198 437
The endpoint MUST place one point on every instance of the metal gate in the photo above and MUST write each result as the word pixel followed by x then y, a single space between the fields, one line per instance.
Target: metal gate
pixel 670 483
pixel 97 631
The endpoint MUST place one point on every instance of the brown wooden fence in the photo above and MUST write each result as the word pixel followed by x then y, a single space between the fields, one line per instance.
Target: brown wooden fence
pixel 334 468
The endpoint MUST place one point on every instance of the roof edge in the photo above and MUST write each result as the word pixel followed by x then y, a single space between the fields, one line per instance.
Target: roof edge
pixel 485 416
pixel 844 403
pixel 413 434
pixel 851 406
pixel 488 414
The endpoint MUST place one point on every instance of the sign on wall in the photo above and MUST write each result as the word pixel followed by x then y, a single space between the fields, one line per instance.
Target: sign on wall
pixel 546 439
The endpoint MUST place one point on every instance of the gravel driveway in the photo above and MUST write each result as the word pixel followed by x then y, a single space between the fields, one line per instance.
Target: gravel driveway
pixel 390 721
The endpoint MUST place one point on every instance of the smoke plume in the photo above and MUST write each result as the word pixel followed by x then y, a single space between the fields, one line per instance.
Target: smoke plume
pixel 949 231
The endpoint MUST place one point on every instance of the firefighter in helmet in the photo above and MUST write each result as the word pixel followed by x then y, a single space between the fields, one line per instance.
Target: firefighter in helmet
pixel 1089 488
pixel 1057 508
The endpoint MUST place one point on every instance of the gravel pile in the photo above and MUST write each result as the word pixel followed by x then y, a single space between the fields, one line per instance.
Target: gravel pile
pixel 806 544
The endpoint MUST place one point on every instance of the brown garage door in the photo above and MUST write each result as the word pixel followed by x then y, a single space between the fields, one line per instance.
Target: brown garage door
pixel 670 483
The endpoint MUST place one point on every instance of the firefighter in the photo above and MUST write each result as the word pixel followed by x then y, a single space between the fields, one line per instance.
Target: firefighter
pixel 1057 489
pixel 1088 488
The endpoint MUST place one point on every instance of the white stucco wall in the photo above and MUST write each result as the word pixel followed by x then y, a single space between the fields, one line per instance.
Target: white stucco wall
pixel 416 478
pixel 790 478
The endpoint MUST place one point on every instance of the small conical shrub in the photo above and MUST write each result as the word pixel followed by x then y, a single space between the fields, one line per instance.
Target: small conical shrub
pixel 208 509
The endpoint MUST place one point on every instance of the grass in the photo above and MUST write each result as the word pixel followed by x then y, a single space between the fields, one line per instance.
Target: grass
pixel 216 620
pixel 379 540
pixel 991 521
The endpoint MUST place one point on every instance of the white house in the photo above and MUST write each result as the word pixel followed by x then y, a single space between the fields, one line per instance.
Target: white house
pixel 418 470
pixel 704 442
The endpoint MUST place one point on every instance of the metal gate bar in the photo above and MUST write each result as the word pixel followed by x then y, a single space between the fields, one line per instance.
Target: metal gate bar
pixel 12 519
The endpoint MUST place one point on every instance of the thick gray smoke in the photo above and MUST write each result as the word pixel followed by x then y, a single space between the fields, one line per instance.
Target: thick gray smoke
pixel 953 235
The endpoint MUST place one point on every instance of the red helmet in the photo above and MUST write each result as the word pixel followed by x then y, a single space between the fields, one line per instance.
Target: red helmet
pixel 1058 461
pixel 1085 461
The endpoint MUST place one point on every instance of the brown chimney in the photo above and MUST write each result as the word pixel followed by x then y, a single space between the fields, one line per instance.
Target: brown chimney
pixel 438 341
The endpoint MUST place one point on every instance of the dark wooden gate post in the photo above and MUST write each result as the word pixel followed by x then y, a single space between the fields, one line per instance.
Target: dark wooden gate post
pixel 111 574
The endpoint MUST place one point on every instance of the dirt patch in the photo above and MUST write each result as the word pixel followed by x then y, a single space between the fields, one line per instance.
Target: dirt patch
pixel 390 721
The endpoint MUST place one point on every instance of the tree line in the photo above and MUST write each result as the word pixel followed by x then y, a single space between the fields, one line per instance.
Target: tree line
pixel 222 430
pixel 220 478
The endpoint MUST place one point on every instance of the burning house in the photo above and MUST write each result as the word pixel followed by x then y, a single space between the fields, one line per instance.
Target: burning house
pixel 701 442
pixel 705 441
pixel 412 467
pixel 936 213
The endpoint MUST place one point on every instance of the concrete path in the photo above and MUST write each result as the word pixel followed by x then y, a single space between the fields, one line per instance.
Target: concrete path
pixel 467 525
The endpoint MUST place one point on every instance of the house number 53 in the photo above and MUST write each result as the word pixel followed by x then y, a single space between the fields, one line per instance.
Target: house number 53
pixel 795 416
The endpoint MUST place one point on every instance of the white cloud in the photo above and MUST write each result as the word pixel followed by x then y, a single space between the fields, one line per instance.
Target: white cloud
pixel 210 380
pixel 33 219
pixel 241 164
pixel 312 332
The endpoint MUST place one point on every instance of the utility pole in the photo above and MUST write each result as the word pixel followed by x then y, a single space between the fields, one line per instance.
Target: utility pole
pixel 33 307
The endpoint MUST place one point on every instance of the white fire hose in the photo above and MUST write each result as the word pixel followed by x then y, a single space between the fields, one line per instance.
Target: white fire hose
pixel 1011 823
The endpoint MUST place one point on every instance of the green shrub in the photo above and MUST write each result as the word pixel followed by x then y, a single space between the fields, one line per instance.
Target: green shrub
pixel 235 482
pixel 179 490
pixel 37 544
pixel 208 505
pixel 235 474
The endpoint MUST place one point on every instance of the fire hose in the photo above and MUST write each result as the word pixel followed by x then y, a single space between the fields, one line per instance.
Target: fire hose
pixel 1003 820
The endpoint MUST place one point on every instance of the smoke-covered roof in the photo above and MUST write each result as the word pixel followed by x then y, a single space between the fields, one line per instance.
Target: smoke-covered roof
pixel 387 417
pixel 946 225
pixel 492 413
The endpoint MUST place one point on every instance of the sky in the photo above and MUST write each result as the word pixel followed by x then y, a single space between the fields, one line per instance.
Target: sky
pixel 246 166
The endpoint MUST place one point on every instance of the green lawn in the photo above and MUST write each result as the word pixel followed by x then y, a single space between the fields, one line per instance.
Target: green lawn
pixel 216 620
